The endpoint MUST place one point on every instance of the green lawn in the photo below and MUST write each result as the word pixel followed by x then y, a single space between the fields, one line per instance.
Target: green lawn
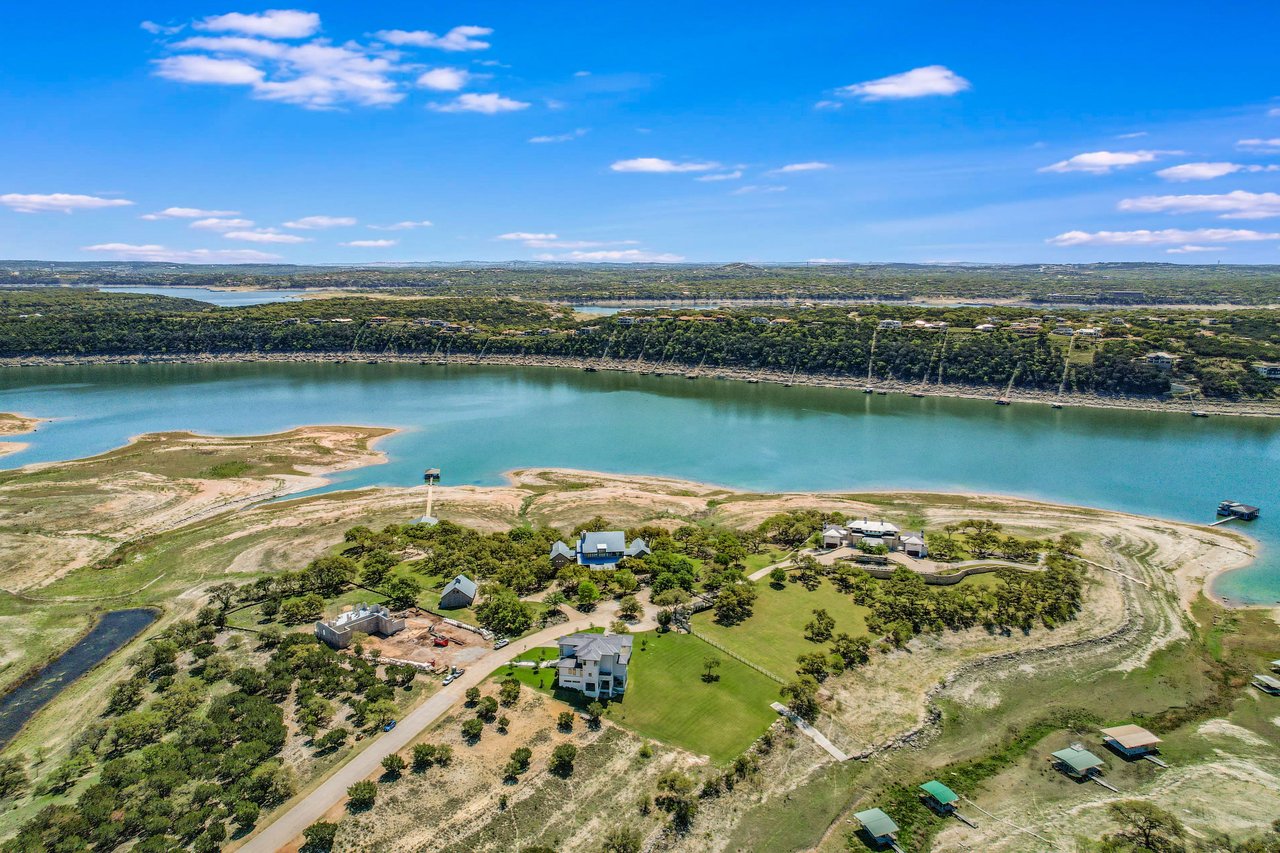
pixel 773 637
pixel 668 701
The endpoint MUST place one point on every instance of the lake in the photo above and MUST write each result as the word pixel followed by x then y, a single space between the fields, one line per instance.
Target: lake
pixel 475 422
pixel 111 632
pixel 222 298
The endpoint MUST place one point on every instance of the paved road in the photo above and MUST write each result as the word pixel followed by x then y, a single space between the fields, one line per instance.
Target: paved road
pixel 289 825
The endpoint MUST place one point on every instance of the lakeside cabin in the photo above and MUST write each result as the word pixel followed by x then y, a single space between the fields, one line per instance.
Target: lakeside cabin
pixel 939 797
pixel 598 550
pixel 1077 762
pixel 1235 509
pixel 879 828
pixel 1131 741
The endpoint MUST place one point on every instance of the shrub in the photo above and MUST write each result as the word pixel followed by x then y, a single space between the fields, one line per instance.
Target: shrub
pixel 562 758
pixel 472 729
pixel 362 794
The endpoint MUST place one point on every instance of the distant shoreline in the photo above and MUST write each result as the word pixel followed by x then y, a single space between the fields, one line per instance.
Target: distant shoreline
pixel 742 374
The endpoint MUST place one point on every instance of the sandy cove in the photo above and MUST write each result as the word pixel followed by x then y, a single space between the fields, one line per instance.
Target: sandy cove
pixel 1248 408
pixel 14 424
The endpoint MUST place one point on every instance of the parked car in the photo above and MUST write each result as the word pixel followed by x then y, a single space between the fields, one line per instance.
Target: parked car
pixel 450 678
pixel 502 643
pixel 389 726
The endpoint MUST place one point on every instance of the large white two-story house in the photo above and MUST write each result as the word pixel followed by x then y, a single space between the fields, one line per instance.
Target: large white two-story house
pixel 853 533
pixel 598 550
pixel 594 664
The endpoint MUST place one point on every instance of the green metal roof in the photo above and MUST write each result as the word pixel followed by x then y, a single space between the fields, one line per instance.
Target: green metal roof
pixel 877 823
pixel 1078 760
pixel 940 792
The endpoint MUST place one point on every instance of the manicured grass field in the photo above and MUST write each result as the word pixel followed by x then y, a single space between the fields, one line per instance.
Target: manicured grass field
pixel 773 637
pixel 667 699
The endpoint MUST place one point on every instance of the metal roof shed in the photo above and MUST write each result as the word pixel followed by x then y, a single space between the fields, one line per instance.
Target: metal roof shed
pixel 943 795
pixel 1130 739
pixel 1078 761
pixel 877 824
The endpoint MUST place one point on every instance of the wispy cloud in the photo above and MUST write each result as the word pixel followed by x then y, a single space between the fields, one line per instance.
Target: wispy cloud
pixel 657 165
pixel 369 244
pixel 266 235
pixel 486 104
pixel 916 83
pixel 275 24
pixel 1272 144
pixel 187 213
pixel 58 202
pixel 1137 134
pixel 1238 204
pixel 615 256
pixel 559 137
pixel 1161 237
pixel 759 188
pixel 721 176
pixel 406 225
pixel 218 223
pixel 1189 249
pixel 458 39
pixel 1207 171
pixel 153 252
pixel 316 222
pixel 792 168
pixel 1102 162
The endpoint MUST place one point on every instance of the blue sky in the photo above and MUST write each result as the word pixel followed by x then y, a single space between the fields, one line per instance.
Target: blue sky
pixel 410 131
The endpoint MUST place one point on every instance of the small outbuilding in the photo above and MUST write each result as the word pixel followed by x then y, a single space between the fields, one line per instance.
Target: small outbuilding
pixel 1267 684
pixel 1130 741
pixel 939 797
pixel 1077 762
pixel 879 827
pixel 1275 665
pixel 459 592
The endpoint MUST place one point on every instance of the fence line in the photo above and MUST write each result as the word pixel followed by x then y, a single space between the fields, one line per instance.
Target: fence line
pixel 736 656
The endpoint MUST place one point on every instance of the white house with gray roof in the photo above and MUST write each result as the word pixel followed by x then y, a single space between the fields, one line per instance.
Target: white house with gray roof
pixel 594 664
pixel 598 550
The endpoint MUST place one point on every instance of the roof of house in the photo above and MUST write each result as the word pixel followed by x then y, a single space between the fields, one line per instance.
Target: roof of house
pixel 561 549
pixel 940 792
pixel 877 823
pixel 596 646
pixel 1131 737
pixel 1273 683
pixel 873 528
pixel 1079 760
pixel 912 539
pixel 463 584
pixel 613 541
pixel 1275 663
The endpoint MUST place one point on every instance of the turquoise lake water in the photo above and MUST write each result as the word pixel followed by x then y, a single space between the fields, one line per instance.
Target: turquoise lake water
pixel 222 298
pixel 477 422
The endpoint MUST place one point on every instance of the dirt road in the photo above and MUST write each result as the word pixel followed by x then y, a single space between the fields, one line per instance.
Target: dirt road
pixel 312 807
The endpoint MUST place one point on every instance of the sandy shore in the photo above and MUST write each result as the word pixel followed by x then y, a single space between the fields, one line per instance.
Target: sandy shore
pixel 13 424
pixel 818 380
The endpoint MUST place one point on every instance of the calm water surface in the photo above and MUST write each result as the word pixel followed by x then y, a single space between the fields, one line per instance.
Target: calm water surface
pixel 223 298
pixel 112 631
pixel 476 422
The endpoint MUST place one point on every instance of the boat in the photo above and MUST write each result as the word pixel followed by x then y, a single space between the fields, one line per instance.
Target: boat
pixel 590 369
pixel 917 394
pixel 1196 413
pixel 1004 401
pixel 1057 405
pixel 868 390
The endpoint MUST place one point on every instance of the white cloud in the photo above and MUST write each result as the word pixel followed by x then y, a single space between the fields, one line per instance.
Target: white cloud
pixel 445 79
pixel 1207 171
pixel 524 236
pixel 582 74
pixel 488 104
pixel 828 105
pixel 1274 112
pixel 1272 144
pixel 559 137
pixel 616 256
pixel 1238 204
pixel 1135 135
pixel 916 83
pixel 316 74
pixel 457 39
pixel 811 166
pixel 1162 237
pixel 186 213
pixel 828 261
pixel 721 176
pixel 153 252
pixel 217 223
pixel 274 24
pixel 58 202
pixel 190 68
pixel 659 166
pixel 314 222
pixel 1102 162
pixel 407 225
pixel 1189 249
pixel 369 244
pixel 759 188
pixel 265 235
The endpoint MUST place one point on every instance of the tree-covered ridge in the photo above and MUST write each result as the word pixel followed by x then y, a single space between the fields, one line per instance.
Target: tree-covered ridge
pixel 1105 283
pixel 1215 351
